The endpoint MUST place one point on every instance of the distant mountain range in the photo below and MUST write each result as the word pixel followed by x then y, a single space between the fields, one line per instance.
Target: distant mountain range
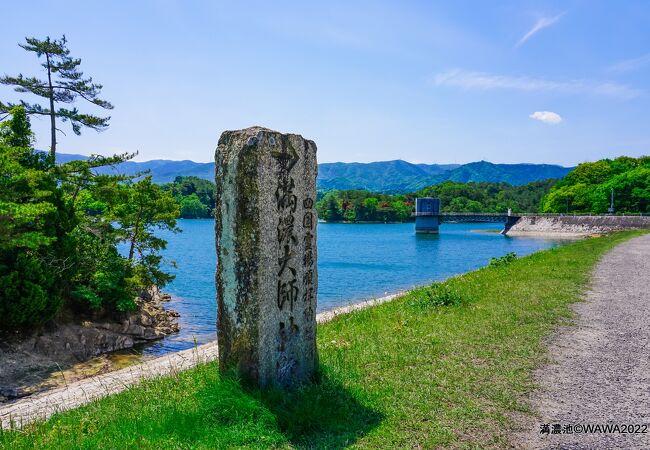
pixel 162 170
pixel 384 176
pixel 401 176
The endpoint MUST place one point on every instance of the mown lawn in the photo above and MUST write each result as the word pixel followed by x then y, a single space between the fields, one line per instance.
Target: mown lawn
pixel 406 374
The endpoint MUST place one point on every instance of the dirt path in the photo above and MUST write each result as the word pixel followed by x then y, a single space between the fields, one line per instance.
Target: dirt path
pixel 43 405
pixel 600 368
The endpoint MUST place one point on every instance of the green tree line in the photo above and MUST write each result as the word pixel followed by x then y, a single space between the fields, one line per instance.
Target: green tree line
pixel 72 243
pixel 588 188
pixel 195 196
pixel 488 197
pixel 364 206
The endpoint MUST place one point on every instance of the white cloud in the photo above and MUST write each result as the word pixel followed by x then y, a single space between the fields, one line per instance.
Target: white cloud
pixel 485 81
pixel 542 22
pixel 630 64
pixel 547 117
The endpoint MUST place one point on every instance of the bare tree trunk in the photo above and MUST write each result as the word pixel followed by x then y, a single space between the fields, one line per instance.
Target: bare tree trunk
pixel 134 238
pixel 52 113
pixel 132 248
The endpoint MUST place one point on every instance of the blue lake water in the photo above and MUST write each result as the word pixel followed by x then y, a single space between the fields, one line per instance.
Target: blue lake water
pixel 355 262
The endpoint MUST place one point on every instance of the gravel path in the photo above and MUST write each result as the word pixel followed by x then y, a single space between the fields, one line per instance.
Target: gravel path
pixel 600 370
pixel 44 405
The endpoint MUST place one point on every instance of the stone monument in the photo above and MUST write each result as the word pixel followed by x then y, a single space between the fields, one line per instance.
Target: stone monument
pixel 266 250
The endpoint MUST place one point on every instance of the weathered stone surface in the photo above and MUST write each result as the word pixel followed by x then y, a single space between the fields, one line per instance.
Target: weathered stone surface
pixel 266 250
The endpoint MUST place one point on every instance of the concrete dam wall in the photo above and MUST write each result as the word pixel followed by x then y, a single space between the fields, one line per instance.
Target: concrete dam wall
pixel 576 225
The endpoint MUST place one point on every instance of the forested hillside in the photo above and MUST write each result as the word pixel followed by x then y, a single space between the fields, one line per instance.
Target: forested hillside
pixel 382 176
pixel 360 206
pixel 389 177
pixel 588 188
pixel 514 174
pixel 161 170
pixel 396 177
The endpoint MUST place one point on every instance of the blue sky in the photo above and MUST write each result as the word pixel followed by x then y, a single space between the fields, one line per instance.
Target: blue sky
pixel 511 81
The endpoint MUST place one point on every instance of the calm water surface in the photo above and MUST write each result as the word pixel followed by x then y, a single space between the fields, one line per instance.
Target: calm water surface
pixel 355 262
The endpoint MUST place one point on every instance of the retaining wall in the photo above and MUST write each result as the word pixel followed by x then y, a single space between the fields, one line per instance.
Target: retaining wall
pixel 576 225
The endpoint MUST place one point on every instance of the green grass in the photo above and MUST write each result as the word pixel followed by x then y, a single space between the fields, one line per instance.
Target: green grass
pixel 444 366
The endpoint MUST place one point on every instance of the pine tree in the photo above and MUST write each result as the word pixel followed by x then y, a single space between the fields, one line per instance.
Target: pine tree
pixel 65 83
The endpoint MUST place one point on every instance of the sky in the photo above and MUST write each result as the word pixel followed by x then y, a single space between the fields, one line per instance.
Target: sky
pixel 557 82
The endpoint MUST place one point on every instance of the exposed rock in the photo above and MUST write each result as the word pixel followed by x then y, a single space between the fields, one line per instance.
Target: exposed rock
pixel 26 363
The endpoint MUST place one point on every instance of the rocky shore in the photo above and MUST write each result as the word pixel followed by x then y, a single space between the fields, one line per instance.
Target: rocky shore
pixel 82 391
pixel 34 363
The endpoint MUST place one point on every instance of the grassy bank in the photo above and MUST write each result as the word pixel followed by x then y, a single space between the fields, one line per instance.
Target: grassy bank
pixel 441 366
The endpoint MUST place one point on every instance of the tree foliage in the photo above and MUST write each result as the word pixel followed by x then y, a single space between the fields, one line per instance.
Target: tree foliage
pixel 194 195
pixel 488 197
pixel 364 206
pixel 17 132
pixel 192 208
pixel 143 208
pixel 588 188
pixel 34 221
pixel 61 228
pixel 64 85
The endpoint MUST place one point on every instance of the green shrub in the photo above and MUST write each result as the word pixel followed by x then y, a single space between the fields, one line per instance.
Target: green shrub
pixel 28 294
pixel 436 295
pixel 502 260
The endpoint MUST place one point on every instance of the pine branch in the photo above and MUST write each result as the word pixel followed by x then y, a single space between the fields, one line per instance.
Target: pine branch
pixel 4 110
pixel 52 47
pixel 88 93
pixel 77 120
pixel 65 83
pixel 22 84
pixel 96 161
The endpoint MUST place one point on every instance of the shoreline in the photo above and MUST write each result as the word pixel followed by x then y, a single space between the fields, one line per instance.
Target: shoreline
pixel 388 349
pixel 42 405
pixel 68 351
pixel 575 226
pixel 205 351
pixel 552 234
pixel 103 364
